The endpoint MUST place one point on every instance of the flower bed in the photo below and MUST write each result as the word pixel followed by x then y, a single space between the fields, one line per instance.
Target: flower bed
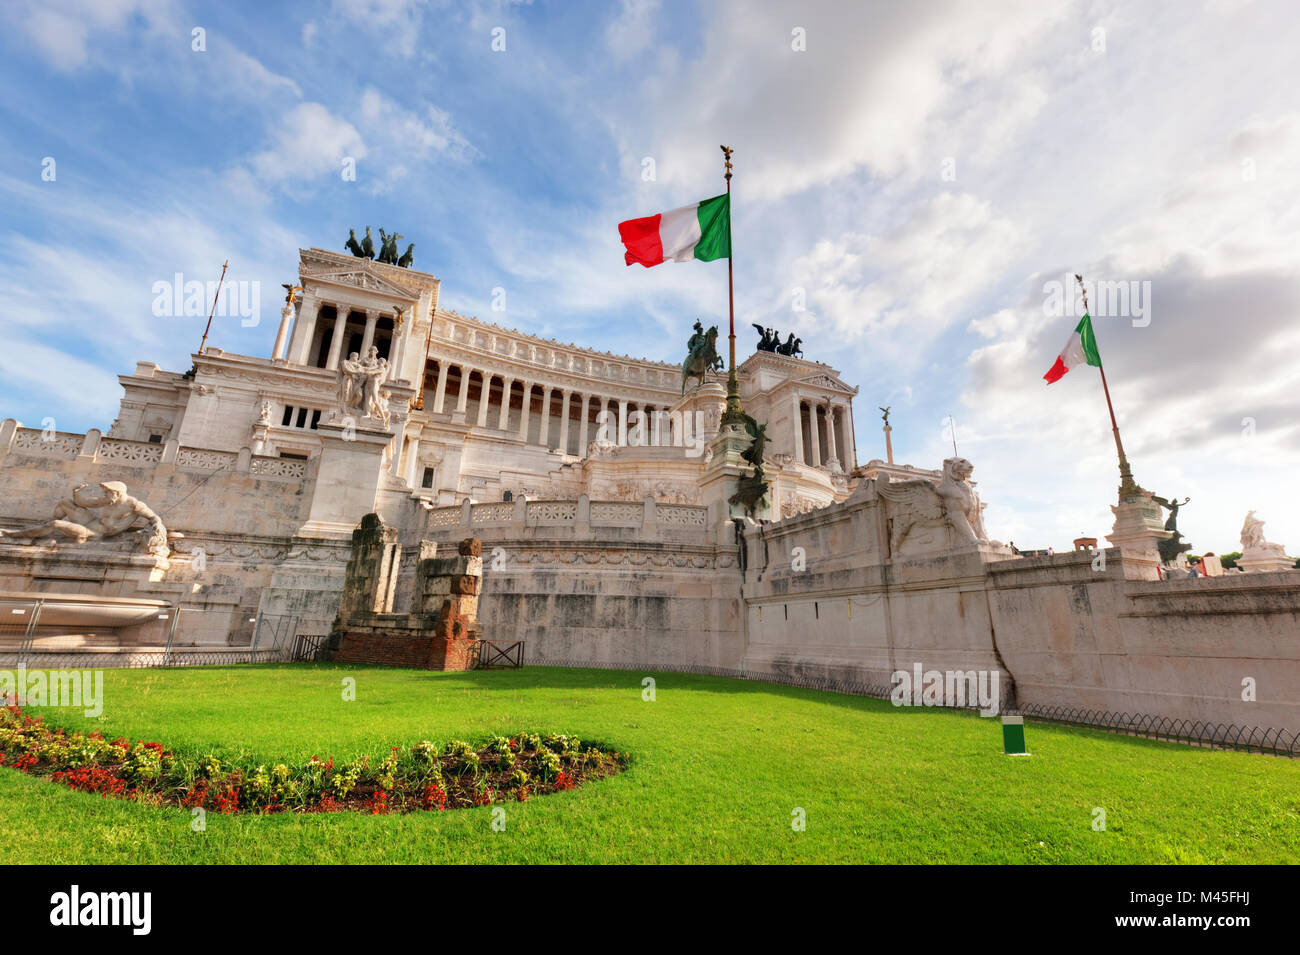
pixel 457 775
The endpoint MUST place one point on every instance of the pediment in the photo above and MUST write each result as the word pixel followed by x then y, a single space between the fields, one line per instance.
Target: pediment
pixel 359 278
pixel 826 381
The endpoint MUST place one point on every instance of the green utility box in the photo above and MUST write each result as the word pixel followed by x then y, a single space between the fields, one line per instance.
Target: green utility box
pixel 1013 736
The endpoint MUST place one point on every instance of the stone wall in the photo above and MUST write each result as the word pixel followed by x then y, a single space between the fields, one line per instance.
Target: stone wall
pixel 1067 630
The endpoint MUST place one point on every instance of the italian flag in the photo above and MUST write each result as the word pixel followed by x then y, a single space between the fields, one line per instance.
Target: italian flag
pixel 1081 348
pixel 701 231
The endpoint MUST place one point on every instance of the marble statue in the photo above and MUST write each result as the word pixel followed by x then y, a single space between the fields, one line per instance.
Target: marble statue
pixel 1253 542
pixel 920 504
pixel 101 510
pixel 359 386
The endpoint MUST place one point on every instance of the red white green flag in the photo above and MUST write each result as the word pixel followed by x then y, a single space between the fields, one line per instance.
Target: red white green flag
pixel 700 231
pixel 1081 348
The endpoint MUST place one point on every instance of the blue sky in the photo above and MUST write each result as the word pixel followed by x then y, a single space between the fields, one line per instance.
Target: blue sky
pixel 915 173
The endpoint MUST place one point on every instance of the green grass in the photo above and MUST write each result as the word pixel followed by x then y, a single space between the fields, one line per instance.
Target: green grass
pixel 718 766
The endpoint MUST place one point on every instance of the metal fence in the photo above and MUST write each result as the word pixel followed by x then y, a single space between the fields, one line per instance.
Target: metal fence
pixel 68 632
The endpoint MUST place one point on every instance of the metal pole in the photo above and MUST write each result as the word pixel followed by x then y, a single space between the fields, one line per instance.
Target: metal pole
pixel 171 634
pixel 1128 488
pixel 734 410
pixel 203 344
pixel 29 634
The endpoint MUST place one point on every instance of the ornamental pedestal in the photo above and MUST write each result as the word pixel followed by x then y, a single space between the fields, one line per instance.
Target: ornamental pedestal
pixel 349 475
pixel 1139 529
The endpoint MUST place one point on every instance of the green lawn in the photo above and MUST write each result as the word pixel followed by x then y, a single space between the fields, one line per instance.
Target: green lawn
pixel 718 767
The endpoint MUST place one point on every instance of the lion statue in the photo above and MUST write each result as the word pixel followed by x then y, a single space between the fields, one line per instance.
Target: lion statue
pixel 921 510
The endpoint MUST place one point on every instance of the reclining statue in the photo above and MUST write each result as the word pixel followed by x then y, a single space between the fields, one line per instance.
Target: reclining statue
pixel 100 510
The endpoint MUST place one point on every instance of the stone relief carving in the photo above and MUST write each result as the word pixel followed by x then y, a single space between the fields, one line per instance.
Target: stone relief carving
pixel 100 510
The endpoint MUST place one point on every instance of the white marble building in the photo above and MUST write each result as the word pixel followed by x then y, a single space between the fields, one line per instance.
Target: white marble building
pixel 478 410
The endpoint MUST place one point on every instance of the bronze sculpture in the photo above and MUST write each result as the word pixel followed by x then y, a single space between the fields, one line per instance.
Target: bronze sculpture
pixel 702 355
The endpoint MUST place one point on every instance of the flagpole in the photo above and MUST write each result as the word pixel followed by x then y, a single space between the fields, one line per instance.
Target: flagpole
pixel 203 344
pixel 733 383
pixel 1128 488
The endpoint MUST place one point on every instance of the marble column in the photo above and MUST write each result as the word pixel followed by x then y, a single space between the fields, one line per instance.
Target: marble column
pixel 413 463
pixel 832 450
pixel 797 428
pixel 544 432
pixel 851 440
pixel 816 435
pixel 440 392
pixel 304 330
pixel 396 352
pixel 504 418
pixel 336 337
pixel 368 339
pixel 523 411
pixel 462 397
pixel 484 393
pixel 585 433
pixel 399 441
pixel 622 422
pixel 282 333
pixel 564 422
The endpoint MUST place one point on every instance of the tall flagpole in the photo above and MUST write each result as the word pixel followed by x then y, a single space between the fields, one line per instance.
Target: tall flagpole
pixel 204 344
pixel 1128 488
pixel 734 411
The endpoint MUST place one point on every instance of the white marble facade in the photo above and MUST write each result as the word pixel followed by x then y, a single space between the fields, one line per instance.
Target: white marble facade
pixel 478 410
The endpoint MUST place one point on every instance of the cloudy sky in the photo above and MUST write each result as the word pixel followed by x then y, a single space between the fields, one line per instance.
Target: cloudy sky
pixel 911 178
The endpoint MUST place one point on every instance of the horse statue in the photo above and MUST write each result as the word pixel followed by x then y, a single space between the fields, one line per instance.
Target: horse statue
pixel 368 245
pixel 703 356
pixel 770 337
pixel 407 257
pixel 791 347
pixel 352 245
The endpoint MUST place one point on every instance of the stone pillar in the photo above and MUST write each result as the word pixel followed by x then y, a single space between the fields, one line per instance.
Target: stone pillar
pixel 832 449
pixel 564 422
pixel 816 435
pixel 396 353
pixel 399 448
pixel 413 463
pixel 304 330
pixel 462 397
pixel 544 433
pixel 372 319
pixel 440 392
pixel 523 411
pixel 851 440
pixel 336 337
pixel 484 393
pixel 585 433
pixel 282 335
pixel 797 429
pixel 503 420
pixel 622 422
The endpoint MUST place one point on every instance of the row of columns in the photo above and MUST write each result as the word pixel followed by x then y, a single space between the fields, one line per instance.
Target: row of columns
pixel 815 442
pixel 440 397
pixel 305 334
